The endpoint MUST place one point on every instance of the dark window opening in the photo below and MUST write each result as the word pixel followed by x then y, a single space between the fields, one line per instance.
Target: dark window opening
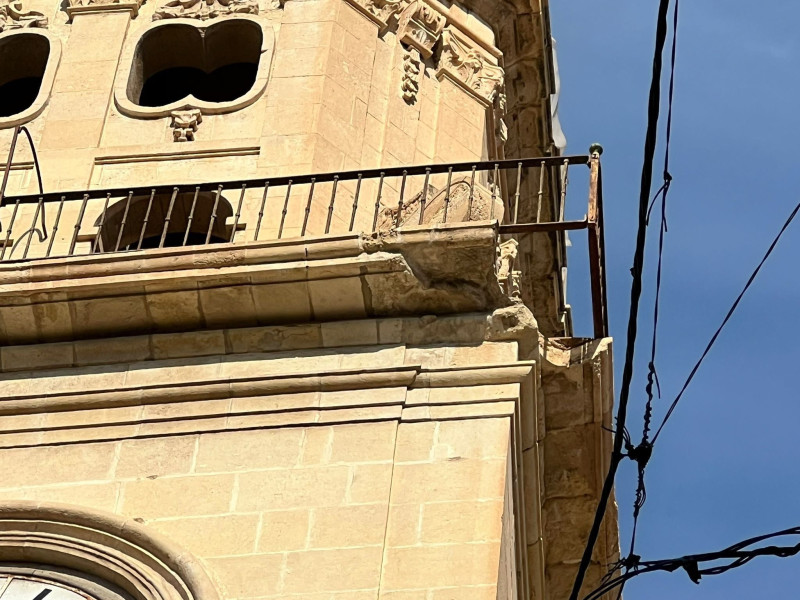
pixel 189 222
pixel 218 64
pixel 23 60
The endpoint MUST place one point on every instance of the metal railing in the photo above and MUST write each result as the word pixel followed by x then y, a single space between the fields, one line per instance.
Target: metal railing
pixel 518 194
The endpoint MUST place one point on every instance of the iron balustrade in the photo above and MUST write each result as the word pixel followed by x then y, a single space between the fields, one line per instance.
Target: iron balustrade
pixel 516 193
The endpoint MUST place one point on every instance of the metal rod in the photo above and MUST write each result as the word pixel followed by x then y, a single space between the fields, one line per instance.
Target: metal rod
pixel 238 212
pixel 330 206
pixel 261 210
pixel 495 186
pixel 78 225
pixel 168 218
pixel 541 194
pixel 33 228
pixel 308 208
pixel 517 193
pixel 146 218
pixel 447 193
pixel 191 216
pixel 540 227
pixel 55 227
pixel 9 162
pixel 213 220
pixel 564 183
pixel 124 221
pixel 424 200
pixel 377 204
pixel 100 227
pixel 400 203
pixel 471 194
pixel 355 204
pixel 285 208
pixel 8 233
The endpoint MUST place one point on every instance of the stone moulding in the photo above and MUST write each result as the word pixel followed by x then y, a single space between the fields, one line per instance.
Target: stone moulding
pixel 127 107
pixel 76 7
pixel 13 16
pixel 43 97
pixel 102 545
pixel 205 9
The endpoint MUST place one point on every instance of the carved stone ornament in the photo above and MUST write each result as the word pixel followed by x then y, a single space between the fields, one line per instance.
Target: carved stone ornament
pixel 500 127
pixel 420 27
pixel 379 11
pixel 76 7
pixel 205 9
pixel 412 68
pixel 509 278
pixel 185 124
pixel 470 68
pixel 13 16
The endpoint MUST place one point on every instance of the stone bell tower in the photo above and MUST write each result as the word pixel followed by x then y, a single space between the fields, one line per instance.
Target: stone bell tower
pixel 282 307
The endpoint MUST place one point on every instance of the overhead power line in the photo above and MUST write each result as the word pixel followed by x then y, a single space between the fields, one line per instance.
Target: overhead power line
pixel 651 140
pixel 731 557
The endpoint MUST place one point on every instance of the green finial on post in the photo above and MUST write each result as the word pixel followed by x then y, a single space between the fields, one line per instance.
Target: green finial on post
pixel 595 149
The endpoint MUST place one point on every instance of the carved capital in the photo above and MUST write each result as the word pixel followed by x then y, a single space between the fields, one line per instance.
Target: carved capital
pixel 13 16
pixel 185 124
pixel 379 11
pixel 470 67
pixel 508 277
pixel 205 9
pixel 420 27
pixel 76 7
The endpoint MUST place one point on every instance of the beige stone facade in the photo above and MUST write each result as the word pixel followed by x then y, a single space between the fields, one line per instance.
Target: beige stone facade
pixel 290 404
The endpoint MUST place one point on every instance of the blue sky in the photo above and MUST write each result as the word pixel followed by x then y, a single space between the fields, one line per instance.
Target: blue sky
pixel 726 467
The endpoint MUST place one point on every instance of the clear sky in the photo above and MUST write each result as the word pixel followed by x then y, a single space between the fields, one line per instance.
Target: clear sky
pixel 726 467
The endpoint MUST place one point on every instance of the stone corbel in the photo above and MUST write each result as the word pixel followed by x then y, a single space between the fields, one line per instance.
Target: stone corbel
pixel 379 11
pixel 185 124
pixel 13 16
pixel 420 27
pixel 77 7
pixel 471 68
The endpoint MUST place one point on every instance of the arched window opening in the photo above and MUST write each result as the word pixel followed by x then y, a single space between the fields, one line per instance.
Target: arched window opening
pixel 29 581
pixel 140 222
pixel 23 61
pixel 176 61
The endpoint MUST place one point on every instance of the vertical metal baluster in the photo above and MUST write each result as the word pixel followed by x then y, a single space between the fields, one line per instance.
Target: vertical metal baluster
pixel 377 203
pixel 447 193
pixel 400 203
pixel 471 194
pixel 33 226
pixel 124 221
pixel 168 218
pixel 9 162
pixel 261 210
pixel 102 222
pixel 8 233
pixel 285 208
pixel 308 206
pixel 213 220
pixel 355 204
pixel 191 216
pixel 424 200
pixel 495 186
pixel 564 183
pixel 55 227
pixel 146 218
pixel 330 206
pixel 238 212
pixel 78 225
pixel 517 194
pixel 541 194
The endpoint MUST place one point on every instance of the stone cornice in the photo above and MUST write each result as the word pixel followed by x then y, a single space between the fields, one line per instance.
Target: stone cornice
pixel 78 7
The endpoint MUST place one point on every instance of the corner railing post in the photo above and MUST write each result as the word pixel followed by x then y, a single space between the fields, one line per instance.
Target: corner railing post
pixel 594 220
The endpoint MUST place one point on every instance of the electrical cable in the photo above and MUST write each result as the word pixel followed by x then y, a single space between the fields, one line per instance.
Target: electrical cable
pixel 651 138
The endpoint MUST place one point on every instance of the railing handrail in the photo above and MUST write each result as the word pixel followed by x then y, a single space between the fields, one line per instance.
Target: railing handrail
pixel 305 178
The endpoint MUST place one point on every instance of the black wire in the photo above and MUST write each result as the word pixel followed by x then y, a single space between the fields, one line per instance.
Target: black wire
pixel 651 139
pixel 725 320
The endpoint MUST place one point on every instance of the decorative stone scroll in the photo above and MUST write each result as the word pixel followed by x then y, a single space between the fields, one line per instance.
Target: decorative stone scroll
pixel 205 9
pixel 76 7
pixel 509 278
pixel 13 16
pixel 379 11
pixel 185 124
pixel 470 68
pixel 420 27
